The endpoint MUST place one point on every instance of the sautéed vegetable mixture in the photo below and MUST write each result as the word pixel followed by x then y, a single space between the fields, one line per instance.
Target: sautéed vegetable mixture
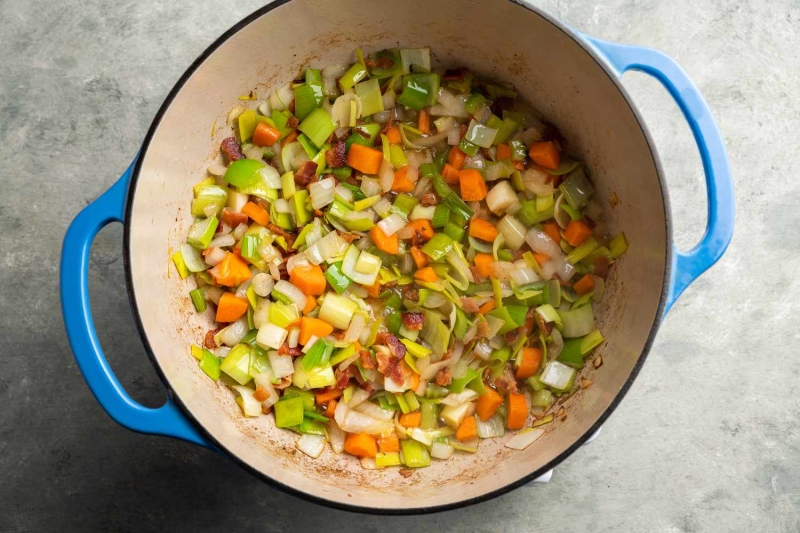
pixel 401 262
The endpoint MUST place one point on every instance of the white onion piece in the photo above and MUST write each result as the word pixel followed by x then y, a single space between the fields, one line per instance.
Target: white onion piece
pixel 264 108
pixel 502 270
pixel 382 117
pixel 241 290
pixel 222 351
pixel 420 212
pixel 213 293
pixel 250 406
pixel 535 181
pixel 337 437
pixel 330 87
pixel 261 314
pixel 599 288
pixel 294 338
pixel 386 176
pixel 297 260
pixel 370 409
pixel 238 232
pixel 513 232
pixel 564 269
pixel 282 365
pixel 271 177
pixel 293 293
pixel 383 207
pixel 215 256
pixel 500 197
pixel 256 153
pixel 333 72
pixel 540 242
pixel 453 399
pixel 530 136
pixel 491 428
pixel 262 284
pixel 282 206
pixel 562 217
pixel 431 140
pixel 524 276
pixel 442 451
pixel 263 380
pixel 274 271
pixel 280 99
pixel 355 328
pixel 453 137
pixel 388 101
pixel 311 445
pixel 222 241
pixel 370 186
pixel 524 438
pixel 359 396
pixel 483 114
pixel 554 350
pixel 548 269
pixel 341 109
pixel 233 334
pixel 224 229
pixel 322 193
pixel 217 169
pixel 234 113
pixel 344 193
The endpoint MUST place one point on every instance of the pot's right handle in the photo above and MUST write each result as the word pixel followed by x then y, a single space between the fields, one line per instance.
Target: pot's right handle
pixel 686 266
pixel 75 306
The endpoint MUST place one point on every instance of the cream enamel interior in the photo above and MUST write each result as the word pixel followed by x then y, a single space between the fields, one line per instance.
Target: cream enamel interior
pixel 496 38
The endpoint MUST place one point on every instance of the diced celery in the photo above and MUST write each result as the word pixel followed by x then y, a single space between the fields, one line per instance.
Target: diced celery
pixel 337 310
pixel 318 126
pixel 289 411
pixel 209 196
pixel 353 75
pixel 370 94
pixel 210 365
pixel 384 459
pixel 243 173
pixel 247 124
pixel 577 188
pixel 415 454
pixel 237 364
pixel 198 299
pixel 201 233
pixel 618 245
pixel 591 341
pixel 180 265
pixel 321 377
pixel 582 251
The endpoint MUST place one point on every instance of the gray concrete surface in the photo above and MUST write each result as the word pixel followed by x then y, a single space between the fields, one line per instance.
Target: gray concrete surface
pixel 706 440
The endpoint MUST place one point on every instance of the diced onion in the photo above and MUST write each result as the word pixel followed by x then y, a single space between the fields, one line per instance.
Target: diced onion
pixel 500 197
pixel 271 177
pixel 420 212
pixel 386 175
pixel 356 327
pixel 311 445
pixel 370 186
pixel 223 241
pixel 556 346
pixel 443 451
pixel 261 314
pixel 238 232
pixel 337 437
pixel 524 276
pixel 392 224
pixel 293 293
pixel 217 169
pixel 513 232
pixel 491 428
pixel 322 193
pixel 341 109
pixel 536 181
pixel 215 256
pixel 382 207
pixel 540 242
pixel 250 406
pixel 263 381
pixel 389 101
pixel 271 336
pixel 233 334
pixel 453 137
pixel 280 99
pixel 282 365
pixel 282 206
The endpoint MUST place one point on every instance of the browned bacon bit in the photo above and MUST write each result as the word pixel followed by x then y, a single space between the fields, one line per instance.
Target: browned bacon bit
pixel 336 156
pixel 208 342
pixel 366 360
pixel 406 472
pixel 601 267
pixel 266 410
pixel 507 382
pixel 483 329
pixel 468 305
pixel 397 348
pixel 277 230
pixel 387 126
pixel 369 63
pixel 231 149
pixel 232 218
pixel 389 366
pixel 589 222
pixel 342 377
pixel 384 62
pixel 462 130
pixel 292 122
pixel 286 350
pixel 511 336
pixel 348 237
pixel 544 325
pixel 260 394
pixel 410 294
pixel 413 321
pixel 429 199
pixel 457 74
pixel 443 377
pixel 285 382
pixel 291 108
pixel 318 213
pixel 306 173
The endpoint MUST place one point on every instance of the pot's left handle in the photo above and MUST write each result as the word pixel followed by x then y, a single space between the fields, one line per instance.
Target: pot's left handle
pixel 166 420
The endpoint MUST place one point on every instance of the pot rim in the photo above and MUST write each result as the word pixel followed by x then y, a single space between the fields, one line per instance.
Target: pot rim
pixel 409 510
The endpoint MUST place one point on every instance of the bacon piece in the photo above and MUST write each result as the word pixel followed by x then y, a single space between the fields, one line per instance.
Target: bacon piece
pixel 469 305
pixel 342 377
pixel 285 382
pixel 260 394
pixel 231 149
pixel 208 342
pixel 444 377
pixel 292 122
pixel 277 230
pixel 397 348
pixel 429 199
pixel 483 329
pixel 366 360
pixel 457 74
pixel 232 218
pixel 406 472
pixel 336 156
pixel 306 173
pixel 507 382
pixel 410 293
pixel 601 267
pixel 390 364
pixel 286 350
pixel 413 321
pixel 545 326
pixel 387 126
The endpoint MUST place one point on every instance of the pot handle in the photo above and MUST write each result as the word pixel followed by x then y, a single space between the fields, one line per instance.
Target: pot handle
pixel 166 420
pixel 689 265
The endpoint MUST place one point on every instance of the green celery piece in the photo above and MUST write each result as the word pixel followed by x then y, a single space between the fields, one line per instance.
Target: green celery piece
pixel 247 125
pixel 307 98
pixel 415 454
pixel 518 150
pixel 201 233
pixel 289 411
pixel 353 75
pixel 618 245
pixel 459 384
pixel 198 299
pixel 428 170
pixel 480 135
pixel 237 364
pixel 505 131
pixel 542 398
pixel 495 92
pixel 505 313
pixel 336 278
pixel 391 60
pixel 305 395
pixel 441 216
pixel 467 147
pixel 288 185
pixel 209 195
pixel 404 204
pixel 412 400
pixel 305 142
pixel 309 427
pixel 454 232
pixel 582 251
pixel 440 159
pixel 342 173
pixel 342 353
pixel 358 195
pixel 370 94
pixel 243 172
pixel 475 103
pixel 316 356
pixel 571 354
pixel 393 323
pixel 591 341
pixel 577 188
pixel 210 365
pixel 318 125
pixel 438 246
pixel 565 167
pixel 180 265
pixel 419 90
pixel 304 214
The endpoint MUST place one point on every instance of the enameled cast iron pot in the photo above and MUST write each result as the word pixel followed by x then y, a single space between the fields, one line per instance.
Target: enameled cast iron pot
pixel 573 79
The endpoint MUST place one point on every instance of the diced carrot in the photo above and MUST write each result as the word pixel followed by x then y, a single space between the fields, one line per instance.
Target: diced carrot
pixel 328 395
pixel 367 160
pixel 385 243
pixel 330 410
pixel 473 186
pixel 484 262
pixel 231 271
pixel 393 135
pixel 411 420
pixel 540 257
pixel 265 135
pixel 422 230
pixel 360 444
pixel 374 290
pixel 426 274
pixel 468 429
pixel 420 259
pixel 577 232
pixel 424 122
pixel 309 279
pixel 292 137
pixel 488 306
pixel 413 380
pixel 503 152
pixel 401 182
pixel 450 174
pixel 545 154
pixel 517 411
pixel 487 405
pixel 255 212
pixel 230 308
pixel 529 360
pixel 313 327
pixel 584 285
pixel 389 444
pixel 551 230
pixel 519 165
pixel 311 304
pixel 456 158
pixel 482 229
